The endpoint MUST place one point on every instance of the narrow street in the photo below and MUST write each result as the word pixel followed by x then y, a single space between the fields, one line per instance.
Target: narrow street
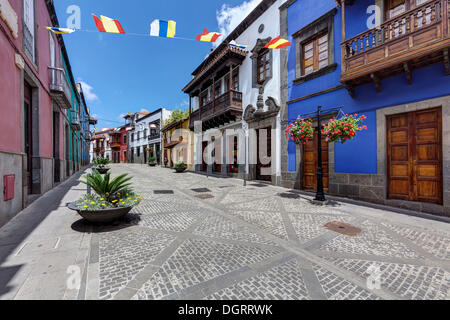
pixel 198 237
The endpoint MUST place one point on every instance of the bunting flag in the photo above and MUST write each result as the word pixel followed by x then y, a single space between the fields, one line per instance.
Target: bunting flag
pixel 105 24
pixel 278 43
pixel 165 29
pixel 60 30
pixel 208 36
pixel 235 45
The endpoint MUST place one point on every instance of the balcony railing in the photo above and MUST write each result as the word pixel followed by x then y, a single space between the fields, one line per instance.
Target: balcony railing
pixel 228 106
pixel 75 121
pixel 154 136
pixel 404 39
pixel 59 87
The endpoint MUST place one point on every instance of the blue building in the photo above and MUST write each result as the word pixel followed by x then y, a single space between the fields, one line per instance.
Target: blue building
pixel 388 60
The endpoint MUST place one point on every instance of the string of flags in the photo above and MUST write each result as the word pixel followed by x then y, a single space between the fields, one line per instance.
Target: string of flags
pixel 164 29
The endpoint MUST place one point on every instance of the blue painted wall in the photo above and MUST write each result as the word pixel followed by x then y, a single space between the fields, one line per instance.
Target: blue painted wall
pixel 360 155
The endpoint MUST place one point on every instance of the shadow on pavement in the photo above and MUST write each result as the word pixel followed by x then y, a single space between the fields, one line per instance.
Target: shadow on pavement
pixel 83 226
pixel 24 223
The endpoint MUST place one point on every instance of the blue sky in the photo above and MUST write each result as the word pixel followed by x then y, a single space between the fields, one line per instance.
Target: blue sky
pixel 124 73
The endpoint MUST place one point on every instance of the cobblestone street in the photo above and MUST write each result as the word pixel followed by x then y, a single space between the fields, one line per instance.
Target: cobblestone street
pixel 254 242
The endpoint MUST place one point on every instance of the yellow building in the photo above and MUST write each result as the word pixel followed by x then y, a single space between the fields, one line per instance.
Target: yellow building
pixel 178 144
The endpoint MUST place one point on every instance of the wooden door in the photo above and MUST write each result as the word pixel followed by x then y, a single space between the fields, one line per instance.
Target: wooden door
pixel 394 8
pixel 414 156
pixel 233 153
pixel 204 164
pixel 28 134
pixel 264 161
pixel 311 163
pixel 217 155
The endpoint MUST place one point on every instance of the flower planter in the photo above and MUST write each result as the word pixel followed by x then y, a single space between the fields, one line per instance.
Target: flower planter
pixel 152 164
pixel 180 170
pixel 101 216
pixel 102 171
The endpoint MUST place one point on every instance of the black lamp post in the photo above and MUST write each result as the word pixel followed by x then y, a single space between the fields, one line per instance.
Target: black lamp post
pixel 320 196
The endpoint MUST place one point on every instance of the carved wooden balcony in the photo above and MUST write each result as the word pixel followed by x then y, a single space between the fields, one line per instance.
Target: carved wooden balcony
pixel 224 109
pixel 415 39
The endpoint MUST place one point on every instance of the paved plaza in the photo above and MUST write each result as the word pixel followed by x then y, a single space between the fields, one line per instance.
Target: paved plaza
pixel 198 237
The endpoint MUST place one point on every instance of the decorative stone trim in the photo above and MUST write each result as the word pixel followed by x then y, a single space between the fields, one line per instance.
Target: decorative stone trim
pixel 328 69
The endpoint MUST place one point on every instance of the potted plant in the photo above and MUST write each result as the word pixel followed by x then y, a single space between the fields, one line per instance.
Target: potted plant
pixel 101 165
pixel 152 162
pixel 180 167
pixel 300 131
pixel 113 198
pixel 344 129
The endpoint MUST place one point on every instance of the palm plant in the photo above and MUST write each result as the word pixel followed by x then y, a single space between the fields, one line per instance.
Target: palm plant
pixel 102 162
pixel 105 187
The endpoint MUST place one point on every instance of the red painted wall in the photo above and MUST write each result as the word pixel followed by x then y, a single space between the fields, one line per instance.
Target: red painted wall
pixel 11 83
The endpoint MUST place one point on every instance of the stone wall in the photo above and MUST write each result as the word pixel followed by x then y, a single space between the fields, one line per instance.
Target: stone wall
pixel 11 163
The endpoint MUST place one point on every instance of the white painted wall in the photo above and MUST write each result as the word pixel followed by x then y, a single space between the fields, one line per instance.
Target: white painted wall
pixel 271 21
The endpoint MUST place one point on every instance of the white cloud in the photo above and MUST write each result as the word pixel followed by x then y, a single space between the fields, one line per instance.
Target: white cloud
pixel 228 18
pixel 88 92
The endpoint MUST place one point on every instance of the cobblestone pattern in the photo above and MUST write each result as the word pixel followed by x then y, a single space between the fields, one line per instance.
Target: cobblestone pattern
pixel 303 206
pixel 437 245
pixel 221 227
pixel 408 281
pixel 152 207
pixel 197 261
pixel 268 204
pixel 169 221
pixel 374 240
pixel 308 226
pixel 270 222
pixel 337 288
pixel 123 255
pixel 284 282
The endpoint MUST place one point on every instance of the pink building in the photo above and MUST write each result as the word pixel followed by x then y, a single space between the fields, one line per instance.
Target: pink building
pixel 37 99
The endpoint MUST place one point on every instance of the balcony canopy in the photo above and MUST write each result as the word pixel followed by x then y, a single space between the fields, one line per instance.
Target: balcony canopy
pixel 213 63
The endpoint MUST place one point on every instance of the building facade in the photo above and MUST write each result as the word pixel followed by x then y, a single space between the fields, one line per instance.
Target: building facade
pixel 39 95
pixel 396 73
pixel 145 139
pixel 178 144
pixel 235 94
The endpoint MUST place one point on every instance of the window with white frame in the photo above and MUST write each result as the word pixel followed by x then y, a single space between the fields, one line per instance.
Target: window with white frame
pixel 29 27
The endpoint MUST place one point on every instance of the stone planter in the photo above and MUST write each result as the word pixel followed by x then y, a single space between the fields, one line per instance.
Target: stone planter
pixel 101 216
pixel 102 170
pixel 152 164
pixel 180 170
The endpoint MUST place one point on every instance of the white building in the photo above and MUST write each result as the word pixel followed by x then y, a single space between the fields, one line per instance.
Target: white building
pixel 145 139
pixel 248 99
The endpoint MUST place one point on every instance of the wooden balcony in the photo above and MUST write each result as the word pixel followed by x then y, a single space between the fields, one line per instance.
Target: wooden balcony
pixel 224 109
pixel 415 39
pixel 60 88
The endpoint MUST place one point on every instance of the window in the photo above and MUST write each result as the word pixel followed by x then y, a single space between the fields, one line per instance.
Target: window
pixel 125 139
pixel 315 46
pixel 145 133
pixel 28 30
pixel 139 135
pixel 263 66
pixel 315 54
pixel 138 151
pixel 132 137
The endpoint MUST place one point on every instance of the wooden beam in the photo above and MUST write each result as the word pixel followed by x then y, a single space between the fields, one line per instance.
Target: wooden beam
pixel 408 72
pixel 377 81
pixel 446 62
pixel 350 89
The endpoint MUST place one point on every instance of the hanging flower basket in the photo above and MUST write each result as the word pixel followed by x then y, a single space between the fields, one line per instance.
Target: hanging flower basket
pixel 343 129
pixel 300 131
